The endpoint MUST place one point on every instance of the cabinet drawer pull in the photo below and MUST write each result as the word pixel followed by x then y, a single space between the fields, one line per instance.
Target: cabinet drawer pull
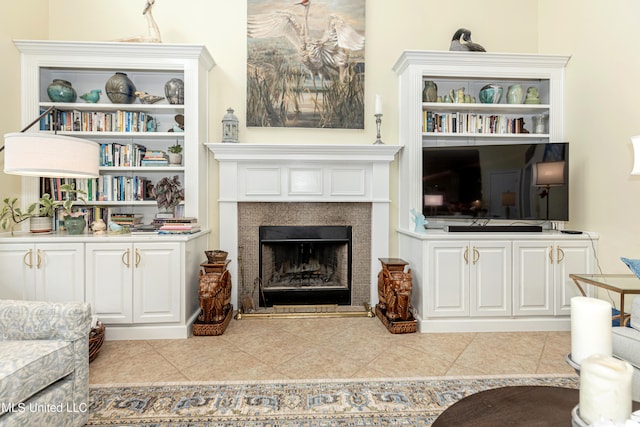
pixel 551 254
pixel 560 255
pixel 476 255
pixel 125 258
pixel 28 255
pixel 137 257
pixel 38 258
pixel 466 255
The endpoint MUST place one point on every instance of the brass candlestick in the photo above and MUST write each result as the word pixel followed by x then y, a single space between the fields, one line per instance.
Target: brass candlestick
pixel 378 124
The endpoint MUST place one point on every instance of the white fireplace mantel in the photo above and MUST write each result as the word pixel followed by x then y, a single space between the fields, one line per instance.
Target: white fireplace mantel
pixel 305 173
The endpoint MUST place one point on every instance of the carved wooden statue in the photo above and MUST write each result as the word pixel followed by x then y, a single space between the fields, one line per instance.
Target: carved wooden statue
pixel 215 296
pixel 394 292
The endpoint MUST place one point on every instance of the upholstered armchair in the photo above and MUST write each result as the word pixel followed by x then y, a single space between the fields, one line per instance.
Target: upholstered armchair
pixel 44 363
pixel 626 345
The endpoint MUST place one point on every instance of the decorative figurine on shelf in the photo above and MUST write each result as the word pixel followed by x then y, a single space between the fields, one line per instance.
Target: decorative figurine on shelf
pixel 98 227
pixel 461 41
pixel 152 27
pixel 92 96
pixel 394 293
pixel 214 292
pixel 178 126
pixel 229 127
pixel 147 98
pixel 420 221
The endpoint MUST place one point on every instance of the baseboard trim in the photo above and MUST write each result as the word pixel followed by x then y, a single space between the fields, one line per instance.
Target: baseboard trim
pixel 494 325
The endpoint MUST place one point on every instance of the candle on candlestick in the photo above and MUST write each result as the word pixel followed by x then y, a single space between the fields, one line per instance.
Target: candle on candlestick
pixel 590 328
pixel 378 109
pixel 605 389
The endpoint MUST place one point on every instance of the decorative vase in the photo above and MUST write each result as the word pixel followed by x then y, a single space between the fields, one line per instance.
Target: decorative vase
pixel 120 89
pixel 75 225
pixel 61 91
pixel 515 94
pixel 430 91
pixel 491 94
pixel 40 224
pixel 174 91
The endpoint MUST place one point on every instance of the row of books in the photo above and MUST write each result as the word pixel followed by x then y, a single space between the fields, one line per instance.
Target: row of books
pixel 97 121
pixel 471 123
pixel 177 225
pixel 122 155
pixel 107 188
pixel 155 158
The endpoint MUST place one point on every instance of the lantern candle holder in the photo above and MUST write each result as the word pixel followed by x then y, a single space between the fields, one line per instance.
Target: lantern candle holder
pixel 229 127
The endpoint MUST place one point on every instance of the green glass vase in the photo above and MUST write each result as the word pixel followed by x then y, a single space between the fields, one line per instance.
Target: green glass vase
pixel 75 225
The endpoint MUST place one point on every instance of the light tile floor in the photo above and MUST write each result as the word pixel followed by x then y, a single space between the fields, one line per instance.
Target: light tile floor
pixel 328 348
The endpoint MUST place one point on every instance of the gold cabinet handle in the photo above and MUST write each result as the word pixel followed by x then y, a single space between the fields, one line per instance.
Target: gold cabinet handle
pixel 137 257
pixel 466 255
pixel 551 254
pixel 560 255
pixel 38 258
pixel 29 256
pixel 125 258
pixel 476 255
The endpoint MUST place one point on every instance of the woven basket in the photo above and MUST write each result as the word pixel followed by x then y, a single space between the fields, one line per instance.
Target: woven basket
pixel 96 339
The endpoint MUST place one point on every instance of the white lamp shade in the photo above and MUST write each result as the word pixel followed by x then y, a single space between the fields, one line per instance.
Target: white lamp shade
pixel 41 154
pixel 433 199
pixel 635 140
pixel 550 173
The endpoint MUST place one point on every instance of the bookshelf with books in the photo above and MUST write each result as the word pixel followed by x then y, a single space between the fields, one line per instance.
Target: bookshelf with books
pixel 137 270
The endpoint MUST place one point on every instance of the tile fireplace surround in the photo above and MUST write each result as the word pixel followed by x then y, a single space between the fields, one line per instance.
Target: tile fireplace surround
pixel 300 182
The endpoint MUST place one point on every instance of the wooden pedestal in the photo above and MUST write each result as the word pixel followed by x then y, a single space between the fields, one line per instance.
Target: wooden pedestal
pixel 394 287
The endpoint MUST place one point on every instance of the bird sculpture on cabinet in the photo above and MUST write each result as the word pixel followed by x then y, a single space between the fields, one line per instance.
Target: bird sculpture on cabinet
pixel 147 98
pixel 324 56
pixel 461 41
pixel 92 96
pixel 153 30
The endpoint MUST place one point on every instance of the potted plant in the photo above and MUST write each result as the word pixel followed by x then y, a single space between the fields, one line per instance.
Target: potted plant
pixel 42 220
pixel 168 193
pixel 175 154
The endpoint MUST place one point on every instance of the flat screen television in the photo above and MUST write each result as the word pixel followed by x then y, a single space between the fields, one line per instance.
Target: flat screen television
pixel 502 181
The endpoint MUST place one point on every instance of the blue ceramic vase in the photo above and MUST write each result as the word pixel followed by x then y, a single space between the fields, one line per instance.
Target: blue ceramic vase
pixel 61 91
pixel 490 94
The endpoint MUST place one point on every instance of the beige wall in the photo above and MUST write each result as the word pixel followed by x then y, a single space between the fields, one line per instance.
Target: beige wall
pixel 599 37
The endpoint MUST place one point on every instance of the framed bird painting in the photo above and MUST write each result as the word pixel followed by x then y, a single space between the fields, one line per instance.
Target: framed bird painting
pixel 305 63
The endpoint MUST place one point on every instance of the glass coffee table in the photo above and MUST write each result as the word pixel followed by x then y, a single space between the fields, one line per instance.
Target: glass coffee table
pixel 624 284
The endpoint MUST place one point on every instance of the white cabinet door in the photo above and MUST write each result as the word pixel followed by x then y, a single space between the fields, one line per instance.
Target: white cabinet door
pixel 533 277
pixel 490 278
pixel 17 279
pixel 448 279
pixel 109 281
pixel 571 257
pixel 157 284
pixel 59 269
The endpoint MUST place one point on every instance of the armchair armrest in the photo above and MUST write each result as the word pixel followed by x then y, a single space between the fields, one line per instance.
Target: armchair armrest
pixel 33 320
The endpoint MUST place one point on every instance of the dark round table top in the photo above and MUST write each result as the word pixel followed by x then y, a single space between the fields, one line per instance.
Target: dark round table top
pixel 513 406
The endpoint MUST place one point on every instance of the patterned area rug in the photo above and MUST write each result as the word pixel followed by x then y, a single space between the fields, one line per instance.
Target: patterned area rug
pixel 334 403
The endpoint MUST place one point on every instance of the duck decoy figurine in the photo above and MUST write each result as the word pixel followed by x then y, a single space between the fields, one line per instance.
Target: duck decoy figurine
pixel 461 41
pixel 147 98
pixel 92 96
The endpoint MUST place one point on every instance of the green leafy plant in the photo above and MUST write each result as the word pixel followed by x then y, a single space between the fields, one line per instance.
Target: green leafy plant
pixel 72 196
pixel 12 215
pixel 168 193
pixel 175 149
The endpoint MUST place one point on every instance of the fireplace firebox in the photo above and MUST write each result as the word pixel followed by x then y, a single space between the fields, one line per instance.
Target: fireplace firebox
pixel 305 265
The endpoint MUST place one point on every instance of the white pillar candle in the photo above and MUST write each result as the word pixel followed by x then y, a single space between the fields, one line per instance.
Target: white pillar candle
pixel 605 389
pixel 378 109
pixel 590 328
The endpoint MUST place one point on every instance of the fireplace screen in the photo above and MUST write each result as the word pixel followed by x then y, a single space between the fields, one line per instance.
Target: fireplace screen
pixel 305 265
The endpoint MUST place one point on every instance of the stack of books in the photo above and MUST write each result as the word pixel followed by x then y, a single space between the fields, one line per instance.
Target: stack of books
pixel 179 228
pixel 129 219
pixel 155 158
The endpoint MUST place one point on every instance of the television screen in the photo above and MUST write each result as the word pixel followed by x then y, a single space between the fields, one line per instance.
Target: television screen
pixel 507 181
